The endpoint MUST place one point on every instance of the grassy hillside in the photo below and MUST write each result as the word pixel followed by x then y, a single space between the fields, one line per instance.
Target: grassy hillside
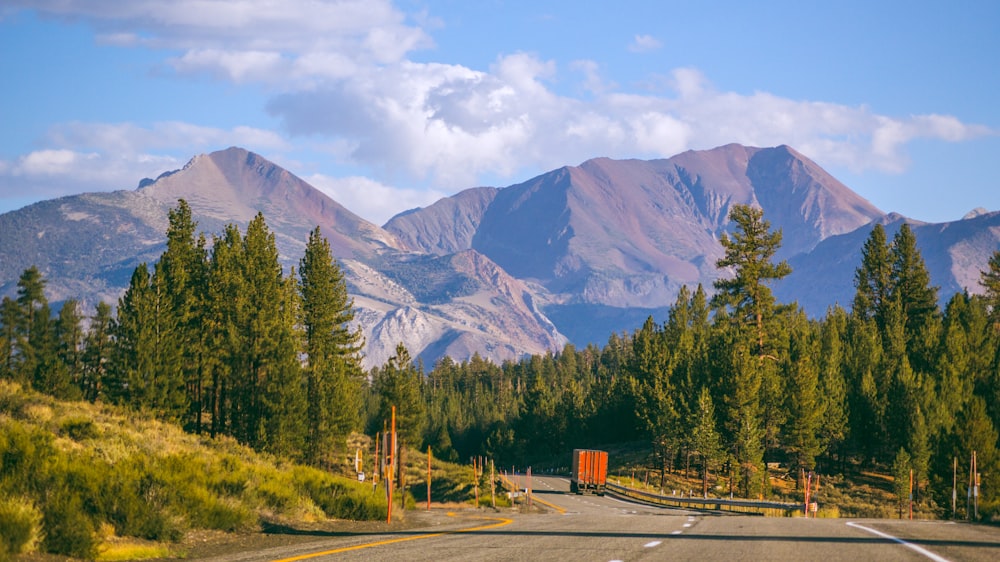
pixel 75 478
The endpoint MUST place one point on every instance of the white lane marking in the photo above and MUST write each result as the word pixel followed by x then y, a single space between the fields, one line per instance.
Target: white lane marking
pixel 687 524
pixel 676 532
pixel 652 544
pixel 911 546
pixel 690 517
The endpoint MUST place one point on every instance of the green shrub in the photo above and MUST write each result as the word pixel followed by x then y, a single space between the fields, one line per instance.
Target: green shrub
pixel 340 497
pixel 24 453
pixel 20 527
pixel 277 493
pixel 68 529
pixel 125 503
pixel 79 428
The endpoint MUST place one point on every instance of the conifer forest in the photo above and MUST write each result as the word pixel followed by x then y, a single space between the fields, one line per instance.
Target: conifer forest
pixel 218 337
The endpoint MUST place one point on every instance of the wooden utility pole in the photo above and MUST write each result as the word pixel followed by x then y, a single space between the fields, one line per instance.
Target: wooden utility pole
pixel 954 488
pixel 911 494
pixel 391 458
pixel 428 478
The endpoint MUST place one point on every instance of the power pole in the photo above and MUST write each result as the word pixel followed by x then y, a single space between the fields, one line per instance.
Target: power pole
pixel 954 488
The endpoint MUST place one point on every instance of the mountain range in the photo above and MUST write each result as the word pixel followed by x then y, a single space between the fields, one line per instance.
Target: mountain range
pixel 570 256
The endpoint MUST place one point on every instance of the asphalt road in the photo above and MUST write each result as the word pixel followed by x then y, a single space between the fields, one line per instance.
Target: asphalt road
pixel 583 528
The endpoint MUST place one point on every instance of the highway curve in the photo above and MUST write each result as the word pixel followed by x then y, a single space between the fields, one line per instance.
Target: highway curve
pixel 590 528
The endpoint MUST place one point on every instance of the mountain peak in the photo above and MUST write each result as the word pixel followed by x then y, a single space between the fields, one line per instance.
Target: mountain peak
pixel 235 184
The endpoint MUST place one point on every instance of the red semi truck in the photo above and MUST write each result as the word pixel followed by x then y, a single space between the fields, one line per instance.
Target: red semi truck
pixel 590 471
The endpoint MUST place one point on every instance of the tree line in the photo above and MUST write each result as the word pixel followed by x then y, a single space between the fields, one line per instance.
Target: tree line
pixel 219 340
pixel 737 380
pixel 222 341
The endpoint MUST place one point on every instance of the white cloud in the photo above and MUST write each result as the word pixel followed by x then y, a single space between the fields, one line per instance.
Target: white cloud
pixel 251 40
pixel 644 44
pixel 343 78
pixel 85 157
pixel 370 199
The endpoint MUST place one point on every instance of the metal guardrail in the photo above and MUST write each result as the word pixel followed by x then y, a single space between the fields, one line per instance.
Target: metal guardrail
pixel 769 508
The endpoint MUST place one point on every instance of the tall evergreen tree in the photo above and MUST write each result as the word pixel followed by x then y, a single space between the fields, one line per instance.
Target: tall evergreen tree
pixel 755 387
pixel 183 269
pixel 131 377
pixel 705 438
pixel 65 378
pixel 749 252
pixel 263 335
pixel 284 403
pixel 990 281
pixel 804 403
pixel 333 368
pixel 833 383
pixel 656 396
pixel 398 384
pixel 873 278
pixel 9 322
pixel 32 334
pixel 226 294
pixel 917 299
pixel 97 349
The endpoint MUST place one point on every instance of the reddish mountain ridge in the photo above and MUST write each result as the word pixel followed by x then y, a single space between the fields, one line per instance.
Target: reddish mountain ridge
pixel 629 233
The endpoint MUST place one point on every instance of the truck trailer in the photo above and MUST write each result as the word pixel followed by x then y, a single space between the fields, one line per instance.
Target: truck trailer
pixel 590 472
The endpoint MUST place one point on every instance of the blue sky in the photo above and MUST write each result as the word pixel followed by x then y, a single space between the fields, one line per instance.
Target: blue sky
pixel 391 105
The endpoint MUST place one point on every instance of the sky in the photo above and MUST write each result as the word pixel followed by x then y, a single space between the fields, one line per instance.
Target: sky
pixel 390 105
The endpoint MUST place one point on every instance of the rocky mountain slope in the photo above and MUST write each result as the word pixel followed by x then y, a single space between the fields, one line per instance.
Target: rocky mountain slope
pixel 616 239
pixel 88 245
pixel 571 255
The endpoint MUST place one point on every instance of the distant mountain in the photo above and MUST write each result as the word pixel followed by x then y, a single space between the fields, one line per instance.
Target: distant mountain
pixel 615 239
pixel 572 255
pixel 88 245
pixel 955 253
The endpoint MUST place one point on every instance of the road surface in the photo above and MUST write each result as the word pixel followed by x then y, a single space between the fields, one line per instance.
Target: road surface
pixel 590 528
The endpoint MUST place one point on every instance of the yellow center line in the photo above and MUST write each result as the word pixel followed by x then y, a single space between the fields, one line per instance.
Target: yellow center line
pixel 562 511
pixel 500 523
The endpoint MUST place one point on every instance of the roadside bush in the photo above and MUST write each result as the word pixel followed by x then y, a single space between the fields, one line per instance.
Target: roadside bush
pixel 23 456
pixel 68 530
pixel 126 503
pixel 79 428
pixel 339 497
pixel 20 527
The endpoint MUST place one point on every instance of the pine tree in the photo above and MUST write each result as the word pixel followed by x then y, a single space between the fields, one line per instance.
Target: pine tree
pixel 131 376
pixel 9 322
pixel 755 389
pixel 262 351
pixel 749 252
pixel 873 279
pixel 183 267
pixel 398 384
pixel 867 384
pixel 226 295
pixel 705 438
pixel 656 396
pixel 284 403
pixel 805 406
pixel 32 334
pixel 97 349
pixel 990 280
pixel 333 369
pixel 66 380
pixel 833 383
pixel 917 298
pixel 901 467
